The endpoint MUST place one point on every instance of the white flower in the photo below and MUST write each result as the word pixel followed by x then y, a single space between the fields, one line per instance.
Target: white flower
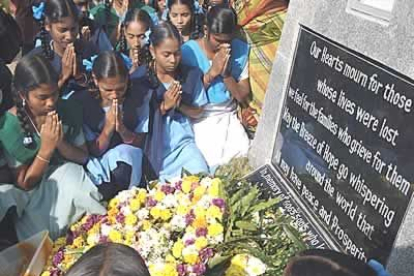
pixel 206 181
pixel 170 201
pixel 105 229
pixel 143 214
pixel 255 266
pixel 178 222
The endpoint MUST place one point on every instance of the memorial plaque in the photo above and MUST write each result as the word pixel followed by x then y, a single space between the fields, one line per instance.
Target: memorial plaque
pixel 345 145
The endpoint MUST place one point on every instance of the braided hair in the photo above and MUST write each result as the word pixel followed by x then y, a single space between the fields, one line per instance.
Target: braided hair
pixel 196 28
pixel 31 72
pixel 158 34
pixel 134 15
pixel 55 11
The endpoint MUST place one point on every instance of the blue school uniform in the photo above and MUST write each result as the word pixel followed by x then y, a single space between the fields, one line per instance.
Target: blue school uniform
pixel 219 117
pixel 84 49
pixel 217 92
pixel 171 146
pixel 135 118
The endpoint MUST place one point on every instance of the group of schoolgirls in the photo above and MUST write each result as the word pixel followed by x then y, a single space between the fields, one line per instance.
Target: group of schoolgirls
pixel 89 121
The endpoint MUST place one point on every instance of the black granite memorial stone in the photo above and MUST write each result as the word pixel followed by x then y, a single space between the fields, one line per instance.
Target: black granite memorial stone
pixel 345 145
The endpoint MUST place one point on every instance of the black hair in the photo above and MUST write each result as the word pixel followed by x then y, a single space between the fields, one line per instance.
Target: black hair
pixel 30 73
pixel 108 64
pixel 134 15
pixel 158 34
pixel 6 98
pixel 54 11
pixel 108 7
pixel 196 28
pixel 317 262
pixel 109 259
pixel 10 37
pixel 221 20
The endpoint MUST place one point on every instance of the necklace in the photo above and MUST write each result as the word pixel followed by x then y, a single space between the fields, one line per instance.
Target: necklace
pixel 33 124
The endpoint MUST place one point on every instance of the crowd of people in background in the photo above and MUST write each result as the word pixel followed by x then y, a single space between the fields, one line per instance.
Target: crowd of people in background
pixel 108 95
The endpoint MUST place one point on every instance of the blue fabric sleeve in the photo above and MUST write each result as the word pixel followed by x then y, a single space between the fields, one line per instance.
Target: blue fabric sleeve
pixel 89 134
pixel 200 96
pixel 143 116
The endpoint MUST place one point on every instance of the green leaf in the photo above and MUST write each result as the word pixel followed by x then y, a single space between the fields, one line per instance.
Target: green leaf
pixel 265 205
pixel 246 225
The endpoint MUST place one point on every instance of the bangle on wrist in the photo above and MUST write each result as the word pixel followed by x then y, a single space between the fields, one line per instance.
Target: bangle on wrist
pixel 42 159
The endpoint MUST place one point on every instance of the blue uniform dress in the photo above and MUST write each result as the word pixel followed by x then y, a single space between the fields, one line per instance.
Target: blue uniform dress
pixel 135 118
pixel 84 51
pixel 170 146
pixel 219 134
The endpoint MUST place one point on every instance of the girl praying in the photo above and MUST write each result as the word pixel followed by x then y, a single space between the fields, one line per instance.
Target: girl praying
pixel 224 61
pixel 44 145
pixel 132 42
pixel 115 125
pixel 60 20
pixel 178 96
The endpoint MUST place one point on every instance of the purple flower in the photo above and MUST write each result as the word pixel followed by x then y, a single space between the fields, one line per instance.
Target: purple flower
pixel 181 269
pixel 189 242
pixel 151 202
pixel 201 232
pixel 120 218
pixel 70 237
pixel 167 189
pixel 189 218
pixel 55 272
pixel 178 185
pixel 58 258
pixel 88 224
pixel 199 268
pixel 206 254
pixel 219 202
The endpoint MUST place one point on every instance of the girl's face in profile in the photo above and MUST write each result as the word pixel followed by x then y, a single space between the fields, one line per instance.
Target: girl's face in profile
pixel 64 32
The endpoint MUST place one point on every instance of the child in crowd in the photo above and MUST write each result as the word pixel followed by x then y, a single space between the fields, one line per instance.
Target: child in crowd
pixel 89 29
pixel 115 122
pixel 109 259
pixel 60 19
pixel 224 61
pixel 179 96
pixel 110 15
pixel 132 42
pixel 187 17
pixel 44 146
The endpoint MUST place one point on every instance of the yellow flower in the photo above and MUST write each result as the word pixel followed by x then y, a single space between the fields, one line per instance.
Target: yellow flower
pixel 95 229
pixel 46 273
pixel 182 210
pixel 240 260
pixel 115 236
pixel 201 243
pixel 191 258
pixel 199 222
pixel 200 212
pixel 166 214
pixel 214 212
pixel 135 204
pixel 186 186
pixel 159 196
pixel 155 213
pixel 142 195
pixel 169 270
pixel 190 230
pixel 78 242
pixel 214 189
pixel 235 271
pixel 215 229
pixel 131 220
pixel 113 203
pixel 198 193
pixel 129 235
pixel 178 248
pixel 91 240
pixel 146 224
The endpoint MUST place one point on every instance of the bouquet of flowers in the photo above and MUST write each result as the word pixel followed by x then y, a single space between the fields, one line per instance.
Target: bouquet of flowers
pixel 189 227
